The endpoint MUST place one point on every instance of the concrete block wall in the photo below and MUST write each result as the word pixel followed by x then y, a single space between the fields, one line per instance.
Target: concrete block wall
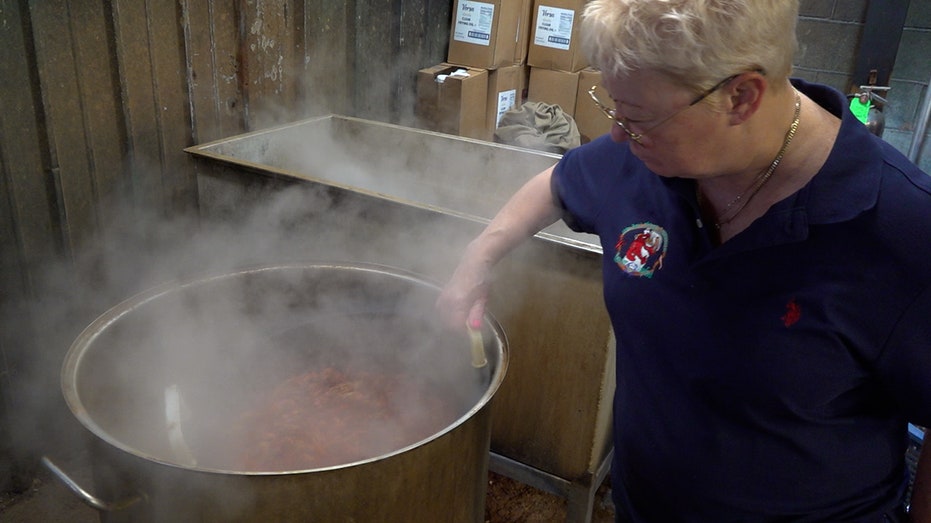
pixel 829 36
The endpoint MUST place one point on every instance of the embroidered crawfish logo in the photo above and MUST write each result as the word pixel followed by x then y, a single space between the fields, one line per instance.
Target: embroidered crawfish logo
pixel 640 249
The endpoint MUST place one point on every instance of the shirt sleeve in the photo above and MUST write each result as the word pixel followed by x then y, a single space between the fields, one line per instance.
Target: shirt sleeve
pixel 584 177
pixel 556 187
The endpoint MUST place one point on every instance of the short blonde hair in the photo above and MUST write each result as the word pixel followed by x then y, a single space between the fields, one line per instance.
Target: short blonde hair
pixel 694 42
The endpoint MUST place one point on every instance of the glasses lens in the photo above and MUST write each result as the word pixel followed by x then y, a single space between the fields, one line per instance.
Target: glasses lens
pixel 612 114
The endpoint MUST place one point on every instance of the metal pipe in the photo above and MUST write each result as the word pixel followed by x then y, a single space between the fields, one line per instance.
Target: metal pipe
pixel 921 126
pixel 85 496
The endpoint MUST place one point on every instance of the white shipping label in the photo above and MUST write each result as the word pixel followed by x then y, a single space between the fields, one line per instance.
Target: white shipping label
pixel 506 100
pixel 473 22
pixel 554 27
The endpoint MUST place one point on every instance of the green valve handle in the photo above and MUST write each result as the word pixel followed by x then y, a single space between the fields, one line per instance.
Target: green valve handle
pixel 860 107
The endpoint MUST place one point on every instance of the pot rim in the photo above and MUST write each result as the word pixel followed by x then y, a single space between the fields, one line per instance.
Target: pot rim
pixel 79 348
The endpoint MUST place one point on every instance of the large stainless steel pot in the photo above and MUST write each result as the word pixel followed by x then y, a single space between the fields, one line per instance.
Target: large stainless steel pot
pixel 216 340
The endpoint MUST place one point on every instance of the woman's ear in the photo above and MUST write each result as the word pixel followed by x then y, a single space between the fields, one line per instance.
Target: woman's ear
pixel 745 94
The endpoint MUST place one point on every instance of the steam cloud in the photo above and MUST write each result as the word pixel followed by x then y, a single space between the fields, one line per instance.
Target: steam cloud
pixel 384 199
pixel 422 198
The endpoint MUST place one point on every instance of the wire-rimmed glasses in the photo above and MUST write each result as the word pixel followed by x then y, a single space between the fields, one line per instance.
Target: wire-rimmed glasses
pixel 637 137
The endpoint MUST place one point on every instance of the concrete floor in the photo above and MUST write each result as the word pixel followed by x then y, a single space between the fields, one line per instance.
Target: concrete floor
pixel 49 500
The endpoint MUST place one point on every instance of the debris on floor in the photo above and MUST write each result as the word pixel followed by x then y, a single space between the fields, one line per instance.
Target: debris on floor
pixel 509 501
pixel 506 501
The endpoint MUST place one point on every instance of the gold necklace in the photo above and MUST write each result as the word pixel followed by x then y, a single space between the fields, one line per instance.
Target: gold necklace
pixel 730 212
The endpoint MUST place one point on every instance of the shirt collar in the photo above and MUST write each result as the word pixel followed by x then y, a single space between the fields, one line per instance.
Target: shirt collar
pixel 848 183
pixel 846 186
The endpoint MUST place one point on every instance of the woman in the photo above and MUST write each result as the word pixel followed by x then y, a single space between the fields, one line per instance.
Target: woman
pixel 765 269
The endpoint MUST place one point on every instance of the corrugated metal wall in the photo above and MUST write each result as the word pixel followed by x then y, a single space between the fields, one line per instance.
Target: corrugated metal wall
pixel 100 97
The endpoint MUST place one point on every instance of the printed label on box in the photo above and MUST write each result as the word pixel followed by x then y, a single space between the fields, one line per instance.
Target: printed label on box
pixel 506 100
pixel 554 27
pixel 473 22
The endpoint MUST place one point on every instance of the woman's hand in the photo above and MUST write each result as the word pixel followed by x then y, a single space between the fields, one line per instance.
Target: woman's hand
pixel 462 301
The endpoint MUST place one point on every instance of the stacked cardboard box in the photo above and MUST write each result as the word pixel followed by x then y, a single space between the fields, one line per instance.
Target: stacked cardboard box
pixel 554 87
pixel 559 70
pixel 506 89
pixel 555 41
pixel 452 99
pixel 491 36
pixel 509 51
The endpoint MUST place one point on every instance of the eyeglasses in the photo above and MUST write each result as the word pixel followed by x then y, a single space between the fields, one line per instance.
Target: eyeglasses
pixel 637 137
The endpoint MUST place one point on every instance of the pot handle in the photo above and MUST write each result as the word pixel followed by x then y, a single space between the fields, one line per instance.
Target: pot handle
pixel 85 496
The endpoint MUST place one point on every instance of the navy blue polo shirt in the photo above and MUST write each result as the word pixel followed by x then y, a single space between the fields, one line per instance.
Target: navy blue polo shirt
pixel 773 376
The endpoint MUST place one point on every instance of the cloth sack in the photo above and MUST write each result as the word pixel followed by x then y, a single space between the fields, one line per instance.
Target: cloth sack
pixel 538 125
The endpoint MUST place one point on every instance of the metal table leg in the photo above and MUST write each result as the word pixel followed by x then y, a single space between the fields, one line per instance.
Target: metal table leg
pixel 580 494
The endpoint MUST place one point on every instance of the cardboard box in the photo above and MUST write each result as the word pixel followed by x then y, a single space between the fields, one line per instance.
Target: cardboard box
pixel 526 80
pixel 554 41
pixel 505 90
pixel 591 122
pixel 489 34
pixel 554 87
pixel 452 102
